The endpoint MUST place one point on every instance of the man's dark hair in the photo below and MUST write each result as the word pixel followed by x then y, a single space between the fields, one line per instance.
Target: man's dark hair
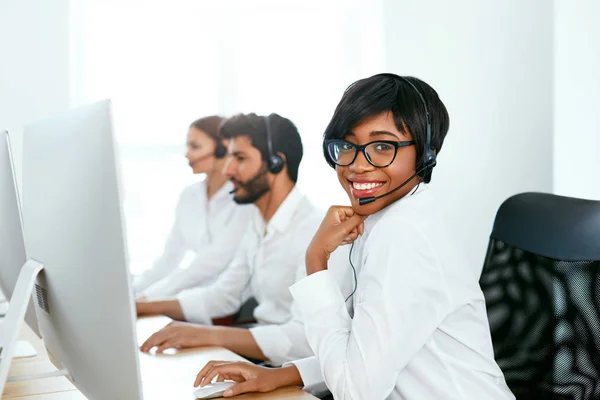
pixel 385 92
pixel 285 138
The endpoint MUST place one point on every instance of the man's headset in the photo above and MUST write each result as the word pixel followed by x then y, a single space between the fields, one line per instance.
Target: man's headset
pixel 429 156
pixel 275 162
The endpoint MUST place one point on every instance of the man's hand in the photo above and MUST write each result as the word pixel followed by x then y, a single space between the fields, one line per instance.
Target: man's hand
pixel 181 335
pixel 249 377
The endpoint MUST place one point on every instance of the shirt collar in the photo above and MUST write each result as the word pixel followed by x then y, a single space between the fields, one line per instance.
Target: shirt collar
pixel 285 213
pixel 283 216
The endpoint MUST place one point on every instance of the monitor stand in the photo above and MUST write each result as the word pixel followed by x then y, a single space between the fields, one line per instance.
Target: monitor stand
pixel 24 348
pixel 13 322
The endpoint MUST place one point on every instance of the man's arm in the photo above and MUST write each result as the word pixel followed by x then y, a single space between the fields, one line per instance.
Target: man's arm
pixel 182 335
pixel 171 308
pixel 238 340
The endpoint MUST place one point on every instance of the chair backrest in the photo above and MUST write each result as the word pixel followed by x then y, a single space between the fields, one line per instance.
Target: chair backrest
pixel 541 281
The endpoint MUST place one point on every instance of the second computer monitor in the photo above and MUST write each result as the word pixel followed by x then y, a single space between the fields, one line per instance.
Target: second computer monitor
pixel 73 226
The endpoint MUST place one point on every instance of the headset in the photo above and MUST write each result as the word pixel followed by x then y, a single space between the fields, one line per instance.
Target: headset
pixel 429 162
pixel 274 163
pixel 429 156
pixel 220 150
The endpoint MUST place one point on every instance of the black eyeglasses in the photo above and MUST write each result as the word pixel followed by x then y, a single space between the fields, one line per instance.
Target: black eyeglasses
pixel 380 153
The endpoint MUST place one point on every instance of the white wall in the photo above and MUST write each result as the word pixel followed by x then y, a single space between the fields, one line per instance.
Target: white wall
pixel 577 98
pixel 491 63
pixel 34 65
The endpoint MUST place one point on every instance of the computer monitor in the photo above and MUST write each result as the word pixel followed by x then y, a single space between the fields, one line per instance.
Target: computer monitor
pixel 73 226
pixel 12 247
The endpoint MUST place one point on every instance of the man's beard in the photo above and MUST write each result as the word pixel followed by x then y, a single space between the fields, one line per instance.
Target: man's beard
pixel 254 190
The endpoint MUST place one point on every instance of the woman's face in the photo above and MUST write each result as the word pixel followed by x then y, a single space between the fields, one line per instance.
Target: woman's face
pixel 361 179
pixel 200 151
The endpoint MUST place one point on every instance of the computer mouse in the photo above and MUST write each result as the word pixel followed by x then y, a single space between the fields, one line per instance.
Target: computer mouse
pixel 213 390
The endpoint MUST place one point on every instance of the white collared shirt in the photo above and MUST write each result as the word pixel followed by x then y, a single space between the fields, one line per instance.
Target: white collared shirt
pixel 211 229
pixel 416 328
pixel 266 265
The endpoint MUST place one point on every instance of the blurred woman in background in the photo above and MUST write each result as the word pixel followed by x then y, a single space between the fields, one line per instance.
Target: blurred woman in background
pixel 208 222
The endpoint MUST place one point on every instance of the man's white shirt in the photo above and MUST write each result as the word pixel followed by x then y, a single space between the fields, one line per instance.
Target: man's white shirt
pixel 266 265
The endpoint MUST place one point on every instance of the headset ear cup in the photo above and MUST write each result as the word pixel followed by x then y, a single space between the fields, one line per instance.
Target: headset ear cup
pixel 220 150
pixel 275 164
pixel 429 161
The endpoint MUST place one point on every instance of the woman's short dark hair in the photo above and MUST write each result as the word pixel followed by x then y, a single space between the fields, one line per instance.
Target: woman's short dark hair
pixel 387 92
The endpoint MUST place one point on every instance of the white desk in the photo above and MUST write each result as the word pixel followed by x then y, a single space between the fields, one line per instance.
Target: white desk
pixel 164 376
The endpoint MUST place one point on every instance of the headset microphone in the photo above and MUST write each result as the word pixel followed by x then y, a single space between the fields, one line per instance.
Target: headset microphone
pixel 366 200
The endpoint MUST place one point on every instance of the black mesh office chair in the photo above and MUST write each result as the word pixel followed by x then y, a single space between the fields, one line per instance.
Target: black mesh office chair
pixel 541 281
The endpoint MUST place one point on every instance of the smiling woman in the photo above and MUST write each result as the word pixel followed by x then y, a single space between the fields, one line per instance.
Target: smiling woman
pixel 377 169
pixel 415 307
pixel 384 111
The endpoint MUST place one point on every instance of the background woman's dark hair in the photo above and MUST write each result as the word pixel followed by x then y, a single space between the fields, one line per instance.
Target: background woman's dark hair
pixel 209 125
pixel 371 96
